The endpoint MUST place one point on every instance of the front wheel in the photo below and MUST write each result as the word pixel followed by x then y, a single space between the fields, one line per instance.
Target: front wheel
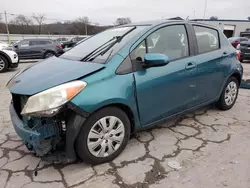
pixel 229 94
pixel 103 136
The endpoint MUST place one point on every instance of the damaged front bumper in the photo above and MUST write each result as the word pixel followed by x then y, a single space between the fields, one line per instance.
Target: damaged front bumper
pixel 41 139
pixel 50 136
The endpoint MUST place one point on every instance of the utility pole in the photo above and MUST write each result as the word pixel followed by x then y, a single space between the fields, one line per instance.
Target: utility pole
pixel 7 28
pixel 86 29
pixel 205 10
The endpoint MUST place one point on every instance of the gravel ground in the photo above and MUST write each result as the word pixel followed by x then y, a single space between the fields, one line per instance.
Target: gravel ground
pixel 205 148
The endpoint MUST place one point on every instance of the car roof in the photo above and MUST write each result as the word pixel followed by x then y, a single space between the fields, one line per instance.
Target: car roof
pixel 36 39
pixel 160 22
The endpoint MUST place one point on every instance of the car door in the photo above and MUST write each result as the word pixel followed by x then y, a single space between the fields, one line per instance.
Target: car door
pixel 210 58
pixel 167 90
pixel 37 48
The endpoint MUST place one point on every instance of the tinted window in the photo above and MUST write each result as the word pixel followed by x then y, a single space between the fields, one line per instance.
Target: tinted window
pixel 34 42
pixel 207 38
pixel 171 41
pixel 24 43
pixel 45 42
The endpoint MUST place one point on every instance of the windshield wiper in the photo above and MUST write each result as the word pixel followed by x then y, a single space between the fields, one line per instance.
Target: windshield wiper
pixel 97 49
pixel 104 48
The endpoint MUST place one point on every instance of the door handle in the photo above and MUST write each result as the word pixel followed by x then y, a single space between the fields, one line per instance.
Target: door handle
pixel 190 65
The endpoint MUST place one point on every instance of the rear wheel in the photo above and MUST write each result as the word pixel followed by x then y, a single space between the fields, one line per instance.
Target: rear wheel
pixel 229 94
pixel 103 136
pixel 48 54
pixel 3 64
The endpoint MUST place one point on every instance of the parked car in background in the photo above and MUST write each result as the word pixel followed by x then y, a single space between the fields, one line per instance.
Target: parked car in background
pixel 61 40
pixel 72 42
pixel 237 40
pixel 37 48
pixel 245 50
pixel 3 45
pixel 8 59
pixel 112 85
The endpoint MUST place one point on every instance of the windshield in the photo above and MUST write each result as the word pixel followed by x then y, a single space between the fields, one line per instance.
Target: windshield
pixel 87 46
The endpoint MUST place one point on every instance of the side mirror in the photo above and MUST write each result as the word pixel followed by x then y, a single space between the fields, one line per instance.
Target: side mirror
pixel 155 60
pixel 16 46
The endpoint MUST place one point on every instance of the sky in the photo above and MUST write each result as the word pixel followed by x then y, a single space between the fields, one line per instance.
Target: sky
pixel 105 12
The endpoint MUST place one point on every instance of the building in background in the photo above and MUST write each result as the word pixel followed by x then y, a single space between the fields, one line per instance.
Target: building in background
pixel 231 28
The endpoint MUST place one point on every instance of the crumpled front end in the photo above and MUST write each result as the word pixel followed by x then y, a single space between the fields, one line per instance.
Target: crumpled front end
pixel 40 134
pixel 48 137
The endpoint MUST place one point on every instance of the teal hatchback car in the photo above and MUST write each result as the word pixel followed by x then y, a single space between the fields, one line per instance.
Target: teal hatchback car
pixel 87 102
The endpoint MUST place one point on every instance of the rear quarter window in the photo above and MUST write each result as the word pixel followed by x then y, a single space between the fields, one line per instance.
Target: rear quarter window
pixel 207 39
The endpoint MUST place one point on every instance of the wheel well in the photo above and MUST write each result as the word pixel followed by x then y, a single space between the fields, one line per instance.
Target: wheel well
pixel 237 76
pixel 49 51
pixel 128 112
pixel 6 57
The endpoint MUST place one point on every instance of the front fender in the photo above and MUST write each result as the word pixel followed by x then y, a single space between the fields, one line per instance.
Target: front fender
pixel 109 90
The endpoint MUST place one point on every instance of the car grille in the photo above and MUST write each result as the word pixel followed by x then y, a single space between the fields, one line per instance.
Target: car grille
pixel 18 102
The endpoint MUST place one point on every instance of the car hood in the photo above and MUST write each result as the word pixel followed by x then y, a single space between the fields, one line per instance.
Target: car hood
pixel 49 73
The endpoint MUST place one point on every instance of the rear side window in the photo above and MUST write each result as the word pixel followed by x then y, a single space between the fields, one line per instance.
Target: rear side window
pixel 45 42
pixel 207 38
pixel 24 43
pixel 34 42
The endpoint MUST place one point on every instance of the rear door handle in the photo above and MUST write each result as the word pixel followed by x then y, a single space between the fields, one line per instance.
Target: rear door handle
pixel 190 65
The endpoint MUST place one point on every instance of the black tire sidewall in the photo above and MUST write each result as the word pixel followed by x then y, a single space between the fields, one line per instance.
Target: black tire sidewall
pixel 5 64
pixel 222 103
pixel 81 142
pixel 46 53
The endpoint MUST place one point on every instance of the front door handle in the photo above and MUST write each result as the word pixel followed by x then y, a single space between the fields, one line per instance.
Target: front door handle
pixel 190 65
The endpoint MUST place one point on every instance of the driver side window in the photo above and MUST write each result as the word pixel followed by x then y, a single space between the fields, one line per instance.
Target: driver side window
pixel 170 40
pixel 139 52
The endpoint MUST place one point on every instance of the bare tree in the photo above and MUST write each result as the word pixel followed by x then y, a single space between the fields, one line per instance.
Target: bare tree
pixel 213 18
pixel 122 21
pixel 21 20
pixel 40 21
pixel 81 25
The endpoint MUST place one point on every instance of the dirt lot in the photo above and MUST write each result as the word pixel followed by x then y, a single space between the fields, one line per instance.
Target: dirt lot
pixel 211 147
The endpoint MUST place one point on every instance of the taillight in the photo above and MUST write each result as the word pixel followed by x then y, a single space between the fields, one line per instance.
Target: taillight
pixel 59 46
pixel 238 55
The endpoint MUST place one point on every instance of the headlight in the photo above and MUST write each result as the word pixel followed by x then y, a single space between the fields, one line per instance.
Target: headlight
pixel 49 101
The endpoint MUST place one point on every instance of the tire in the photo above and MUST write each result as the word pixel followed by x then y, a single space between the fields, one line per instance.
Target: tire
pixel 84 141
pixel 223 103
pixel 3 64
pixel 48 55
